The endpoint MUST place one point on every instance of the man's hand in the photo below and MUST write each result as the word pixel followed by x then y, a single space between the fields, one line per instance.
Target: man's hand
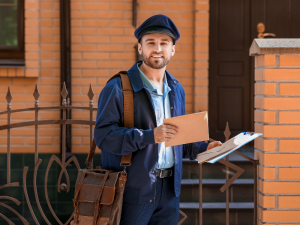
pixel 165 133
pixel 213 144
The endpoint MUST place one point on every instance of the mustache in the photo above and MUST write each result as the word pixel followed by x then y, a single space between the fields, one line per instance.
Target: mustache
pixel 156 53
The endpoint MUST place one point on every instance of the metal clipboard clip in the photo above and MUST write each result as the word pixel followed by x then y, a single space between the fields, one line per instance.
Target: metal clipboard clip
pixel 249 133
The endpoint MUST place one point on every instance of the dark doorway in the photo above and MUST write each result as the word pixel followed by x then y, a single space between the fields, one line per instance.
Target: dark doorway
pixel 233 26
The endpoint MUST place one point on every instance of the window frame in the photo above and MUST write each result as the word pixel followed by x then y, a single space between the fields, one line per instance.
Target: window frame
pixel 15 55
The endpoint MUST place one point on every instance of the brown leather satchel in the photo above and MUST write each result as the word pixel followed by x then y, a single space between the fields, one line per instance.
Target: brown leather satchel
pixel 99 193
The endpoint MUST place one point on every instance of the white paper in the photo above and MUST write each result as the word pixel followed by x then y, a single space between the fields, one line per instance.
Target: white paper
pixel 235 143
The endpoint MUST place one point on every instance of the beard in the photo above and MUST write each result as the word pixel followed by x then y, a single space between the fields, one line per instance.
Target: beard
pixel 155 63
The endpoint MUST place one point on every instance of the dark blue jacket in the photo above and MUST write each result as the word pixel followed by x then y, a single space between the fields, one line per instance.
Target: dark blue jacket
pixel 114 140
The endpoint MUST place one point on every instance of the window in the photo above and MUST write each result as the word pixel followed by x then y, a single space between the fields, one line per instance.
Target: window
pixel 11 32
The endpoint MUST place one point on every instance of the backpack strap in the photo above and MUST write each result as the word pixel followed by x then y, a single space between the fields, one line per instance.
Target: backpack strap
pixel 128 116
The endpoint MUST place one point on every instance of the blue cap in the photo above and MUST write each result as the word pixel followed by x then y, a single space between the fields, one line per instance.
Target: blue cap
pixel 158 24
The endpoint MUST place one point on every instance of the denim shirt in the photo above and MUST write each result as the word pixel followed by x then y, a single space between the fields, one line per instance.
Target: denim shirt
pixel 162 109
pixel 115 140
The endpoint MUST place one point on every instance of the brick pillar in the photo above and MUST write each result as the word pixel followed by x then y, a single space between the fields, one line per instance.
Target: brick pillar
pixel 277 116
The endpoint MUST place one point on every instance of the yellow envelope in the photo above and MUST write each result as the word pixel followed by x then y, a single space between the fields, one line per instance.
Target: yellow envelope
pixel 192 128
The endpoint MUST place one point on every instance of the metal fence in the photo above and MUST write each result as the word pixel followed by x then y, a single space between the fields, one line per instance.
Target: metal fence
pixel 225 187
pixel 63 163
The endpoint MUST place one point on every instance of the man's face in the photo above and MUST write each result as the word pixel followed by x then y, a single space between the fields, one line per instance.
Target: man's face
pixel 156 50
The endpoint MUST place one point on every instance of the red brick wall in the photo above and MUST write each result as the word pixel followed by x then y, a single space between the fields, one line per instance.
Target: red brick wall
pixel 201 55
pixel 102 45
pixel 277 114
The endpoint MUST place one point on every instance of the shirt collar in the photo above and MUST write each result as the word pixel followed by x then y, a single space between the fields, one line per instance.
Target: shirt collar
pixel 150 86
pixel 145 80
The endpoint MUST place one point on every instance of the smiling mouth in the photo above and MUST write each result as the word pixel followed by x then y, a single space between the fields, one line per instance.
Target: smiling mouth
pixel 157 57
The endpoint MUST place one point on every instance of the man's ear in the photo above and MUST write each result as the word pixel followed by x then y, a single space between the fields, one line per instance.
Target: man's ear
pixel 173 50
pixel 140 48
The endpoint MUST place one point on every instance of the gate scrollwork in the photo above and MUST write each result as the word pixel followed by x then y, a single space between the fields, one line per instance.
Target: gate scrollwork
pixel 61 162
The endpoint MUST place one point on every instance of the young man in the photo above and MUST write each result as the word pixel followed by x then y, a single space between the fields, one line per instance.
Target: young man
pixel 152 190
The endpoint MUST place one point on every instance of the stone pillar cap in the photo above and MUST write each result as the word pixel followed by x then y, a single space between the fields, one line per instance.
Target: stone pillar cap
pixel 271 46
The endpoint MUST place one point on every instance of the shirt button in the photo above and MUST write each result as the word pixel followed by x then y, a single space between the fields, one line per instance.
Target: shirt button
pixel 150 200
pixel 153 171
pixel 174 82
pixel 171 107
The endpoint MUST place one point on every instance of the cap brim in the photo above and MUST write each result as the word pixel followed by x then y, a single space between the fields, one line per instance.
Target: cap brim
pixel 159 31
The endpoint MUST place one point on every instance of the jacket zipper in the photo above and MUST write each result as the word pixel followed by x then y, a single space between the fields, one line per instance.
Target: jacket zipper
pixel 153 112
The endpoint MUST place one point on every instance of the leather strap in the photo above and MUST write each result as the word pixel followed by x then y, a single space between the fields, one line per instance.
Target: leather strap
pixel 128 116
pixel 100 191
pixel 91 154
pixel 128 112
pixel 98 205
pixel 76 213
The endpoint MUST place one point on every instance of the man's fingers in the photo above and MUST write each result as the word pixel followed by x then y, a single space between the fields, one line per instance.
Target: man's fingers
pixel 168 130
pixel 171 127
pixel 213 144
pixel 165 133
pixel 167 139
pixel 216 143
pixel 169 135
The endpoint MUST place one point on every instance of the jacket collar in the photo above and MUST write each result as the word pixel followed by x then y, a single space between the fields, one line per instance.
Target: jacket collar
pixel 136 81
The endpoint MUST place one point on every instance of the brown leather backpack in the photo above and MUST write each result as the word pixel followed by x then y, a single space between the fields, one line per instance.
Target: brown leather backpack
pixel 98 195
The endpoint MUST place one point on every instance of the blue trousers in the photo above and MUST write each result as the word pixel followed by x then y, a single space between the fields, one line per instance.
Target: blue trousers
pixel 164 211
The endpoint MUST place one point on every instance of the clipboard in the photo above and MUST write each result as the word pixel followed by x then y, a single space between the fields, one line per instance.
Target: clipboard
pixel 217 153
